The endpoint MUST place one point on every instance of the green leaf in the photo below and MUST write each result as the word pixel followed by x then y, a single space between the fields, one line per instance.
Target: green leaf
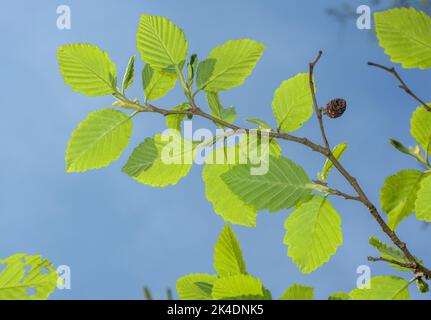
pixel 398 195
pixel 339 296
pixel 390 253
pixel 129 74
pixel 217 110
pixel 421 128
pixel 162 44
pixel 229 65
pixel 23 273
pixel 225 203
pixel 298 292
pixel 228 260
pixel 338 153
pixel 423 203
pixel 383 288
pixel 284 185
pixel 100 139
pixel 405 34
pixel 173 160
pixel 261 123
pixel 313 234
pixel 239 287
pixel 174 121
pixel 196 287
pixel 191 69
pixel 157 84
pixel 87 69
pixel 293 104
pixel 399 146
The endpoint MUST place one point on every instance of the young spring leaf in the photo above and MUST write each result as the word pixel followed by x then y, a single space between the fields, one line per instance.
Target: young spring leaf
pixel 313 233
pixel 87 69
pixel 217 110
pixel 383 288
pixel 228 260
pixel 423 202
pixel 293 104
pixel 22 272
pixel 405 34
pixel 100 139
pixel 170 164
pixel 298 292
pixel 229 65
pixel 399 146
pixel 239 287
pixel 399 194
pixel 390 253
pixel 129 75
pixel 339 296
pixel 192 67
pixel 174 121
pixel 284 185
pixel 225 203
pixel 421 128
pixel 196 287
pixel 338 153
pixel 261 123
pixel 157 84
pixel 162 44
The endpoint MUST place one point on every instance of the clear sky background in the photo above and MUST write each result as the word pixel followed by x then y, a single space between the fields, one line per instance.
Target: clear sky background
pixel 118 235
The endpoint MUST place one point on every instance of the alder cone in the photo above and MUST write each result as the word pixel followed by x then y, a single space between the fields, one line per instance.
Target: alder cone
pixel 335 108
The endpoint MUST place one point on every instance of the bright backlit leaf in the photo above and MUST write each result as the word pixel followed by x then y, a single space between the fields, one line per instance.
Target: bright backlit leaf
pixel 293 104
pixel 390 253
pixel 398 195
pixel 218 111
pixel 129 75
pixel 338 153
pixel 298 292
pixel 284 185
pixel 239 287
pixel 313 233
pixel 162 44
pixel 173 161
pixel 405 34
pixel 174 121
pixel 229 65
pixel 157 84
pixel 228 260
pixel 196 287
pixel 225 203
pixel 421 128
pixel 100 139
pixel 25 277
pixel 423 202
pixel 383 288
pixel 87 69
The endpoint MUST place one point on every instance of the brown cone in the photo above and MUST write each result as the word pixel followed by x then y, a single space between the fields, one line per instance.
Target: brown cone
pixel 335 108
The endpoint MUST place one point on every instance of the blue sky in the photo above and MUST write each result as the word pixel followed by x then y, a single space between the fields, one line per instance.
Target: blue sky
pixel 118 235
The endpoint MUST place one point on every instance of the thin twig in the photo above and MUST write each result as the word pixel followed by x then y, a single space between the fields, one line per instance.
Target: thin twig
pixel 395 262
pixel 403 85
pixel 315 104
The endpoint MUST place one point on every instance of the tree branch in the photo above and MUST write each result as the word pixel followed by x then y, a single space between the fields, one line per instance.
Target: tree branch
pixel 400 264
pixel 324 150
pixel 403 85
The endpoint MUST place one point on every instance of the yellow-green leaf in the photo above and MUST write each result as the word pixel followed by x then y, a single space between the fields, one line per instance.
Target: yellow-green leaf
pixel 98 140
pixel 23 274
pixel 228 260
pixel 405 34
pixel 173 161
pixel 196 287
pixel 238 287
pixel 157 84
pixel 87 69
pixel 423 202
pixel 162 44
pixel 293 104
pixel 338 153
pixel 398 195
pixel 313 233
pixel 229 65
pixel 298 292
pixel 421 128
pixel 383 288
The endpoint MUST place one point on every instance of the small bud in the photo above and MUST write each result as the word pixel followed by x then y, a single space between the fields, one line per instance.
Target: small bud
pixel 335 108
pixel 422 286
